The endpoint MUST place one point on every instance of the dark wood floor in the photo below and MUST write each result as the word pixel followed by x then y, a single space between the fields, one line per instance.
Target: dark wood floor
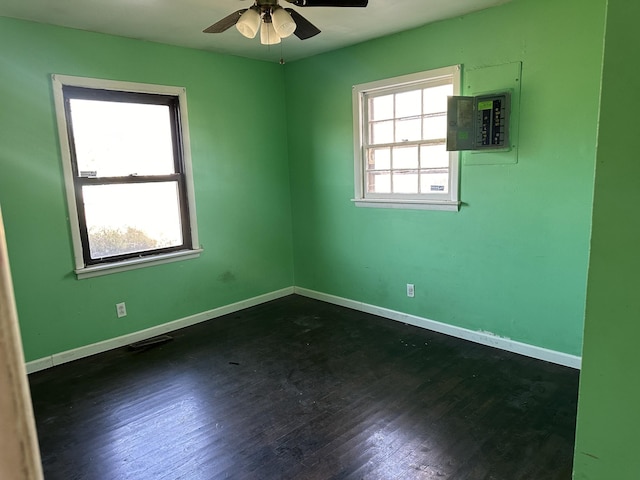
pixel 299 389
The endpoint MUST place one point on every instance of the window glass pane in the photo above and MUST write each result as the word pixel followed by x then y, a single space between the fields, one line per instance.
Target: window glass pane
pixel 382 132
pixel 434 156
pixel 408 104
pixel 405 182
pixel 381 108
pixel 437 182
pixel 379 182
pixel 435 98
pixel 435 127
pixel 133 217
pixel 408 130
pixel 379 159
pixel 405 157
pixel 115 139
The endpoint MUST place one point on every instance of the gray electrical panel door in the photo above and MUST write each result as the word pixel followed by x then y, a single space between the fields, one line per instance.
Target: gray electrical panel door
pixel 478 123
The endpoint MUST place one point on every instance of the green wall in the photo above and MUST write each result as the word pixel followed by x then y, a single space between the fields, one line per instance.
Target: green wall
pixel 609 401
pixel 513 261
pixel 240 173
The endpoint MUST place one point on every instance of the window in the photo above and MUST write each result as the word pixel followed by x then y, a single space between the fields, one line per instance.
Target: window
pixel 400 129
pixel 127 172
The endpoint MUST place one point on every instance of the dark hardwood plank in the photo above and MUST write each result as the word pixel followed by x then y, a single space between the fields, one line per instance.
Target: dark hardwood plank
pixel 300 389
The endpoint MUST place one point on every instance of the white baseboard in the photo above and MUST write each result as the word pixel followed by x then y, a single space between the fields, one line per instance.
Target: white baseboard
pixel 484 338
pixel 81 352
pixel 39 364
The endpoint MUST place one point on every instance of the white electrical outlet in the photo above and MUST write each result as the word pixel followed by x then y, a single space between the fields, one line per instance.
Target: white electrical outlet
pixel 411 292
pixel 121 310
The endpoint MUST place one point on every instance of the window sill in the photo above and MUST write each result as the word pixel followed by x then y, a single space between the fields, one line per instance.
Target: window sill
pixel 107 269
pixel 446 205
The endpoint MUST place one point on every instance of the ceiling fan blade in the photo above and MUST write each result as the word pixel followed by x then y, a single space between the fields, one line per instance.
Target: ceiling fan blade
pixel 304 28
pixel 329 3
pixel 226 23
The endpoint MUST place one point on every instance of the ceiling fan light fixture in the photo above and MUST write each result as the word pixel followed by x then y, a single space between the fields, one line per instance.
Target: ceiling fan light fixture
pixel 283 23
pixel 268 34
pixel 249 23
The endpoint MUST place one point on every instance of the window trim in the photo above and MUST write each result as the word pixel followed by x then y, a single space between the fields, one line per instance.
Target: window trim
pixel 192 249
pixel 399 84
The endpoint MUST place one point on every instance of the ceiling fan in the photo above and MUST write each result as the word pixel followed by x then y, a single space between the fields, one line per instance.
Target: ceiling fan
pixel 276 22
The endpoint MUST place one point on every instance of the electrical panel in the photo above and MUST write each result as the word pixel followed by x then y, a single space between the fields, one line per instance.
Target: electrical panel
pixel 479 123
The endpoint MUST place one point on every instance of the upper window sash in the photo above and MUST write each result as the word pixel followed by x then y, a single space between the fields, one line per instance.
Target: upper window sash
pixel 171 113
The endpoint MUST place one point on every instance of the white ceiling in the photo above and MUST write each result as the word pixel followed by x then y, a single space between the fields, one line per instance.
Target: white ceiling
pixel 180 22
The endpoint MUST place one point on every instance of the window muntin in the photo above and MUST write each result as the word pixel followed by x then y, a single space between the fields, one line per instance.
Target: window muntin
pixel 128 173
pixel 400 135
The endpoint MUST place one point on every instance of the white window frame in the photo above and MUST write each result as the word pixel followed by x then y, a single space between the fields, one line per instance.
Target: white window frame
pixel 361 93
pixel 88 271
